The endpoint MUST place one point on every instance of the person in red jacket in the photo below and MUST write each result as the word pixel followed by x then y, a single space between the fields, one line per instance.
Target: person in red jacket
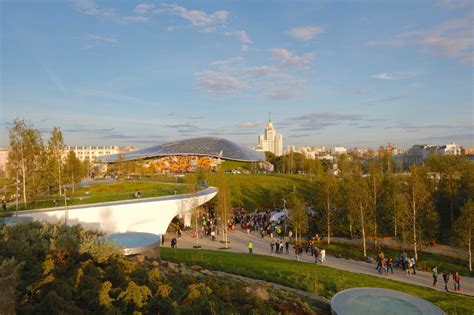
pixel 457 281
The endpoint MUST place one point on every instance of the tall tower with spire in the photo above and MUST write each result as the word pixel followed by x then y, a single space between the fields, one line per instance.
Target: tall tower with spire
pixel 270 141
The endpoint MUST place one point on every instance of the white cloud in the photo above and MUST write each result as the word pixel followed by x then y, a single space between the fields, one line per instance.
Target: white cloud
pixel 136 18
pixel 242 37
pixel 285 56
pixel 453 39
pixel 305 32
pixel 232 76
pixel 248 124
pixel 382 76
pixel 454 4
pixel 90 7
pixel 200 19
pixel 218 82
pixel 144 8
pixel 262 70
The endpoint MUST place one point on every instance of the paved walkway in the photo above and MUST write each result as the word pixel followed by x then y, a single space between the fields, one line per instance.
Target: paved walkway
pixel 240 239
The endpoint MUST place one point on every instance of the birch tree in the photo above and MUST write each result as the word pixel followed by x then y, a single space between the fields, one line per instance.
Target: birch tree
pixel 326 195
pixel 375 191
pixel 418 197
pixel 56 150
pixel 359 200
pixel 25 146
pixel 464 229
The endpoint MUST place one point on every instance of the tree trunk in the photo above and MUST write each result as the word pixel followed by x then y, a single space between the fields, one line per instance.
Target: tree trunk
pixel 59 177
pixel 328 209
pixel 375 212
pixel 362 222
pixel 350 228
pixel 414 224
pixel 470 249
pixel 23 177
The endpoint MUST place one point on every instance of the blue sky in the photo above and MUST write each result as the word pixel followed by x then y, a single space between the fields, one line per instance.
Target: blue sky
pixel 351 73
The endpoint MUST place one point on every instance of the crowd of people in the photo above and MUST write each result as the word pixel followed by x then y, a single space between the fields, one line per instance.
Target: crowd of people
pixel 281 243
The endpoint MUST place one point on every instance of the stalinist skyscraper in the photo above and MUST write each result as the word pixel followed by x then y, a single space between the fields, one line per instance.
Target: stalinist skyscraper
pixel 270 140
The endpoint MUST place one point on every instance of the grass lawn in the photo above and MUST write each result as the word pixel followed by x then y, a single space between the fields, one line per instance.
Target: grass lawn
pixel 104 192
pixel 260 191
pixel 426 261
pixel 318 279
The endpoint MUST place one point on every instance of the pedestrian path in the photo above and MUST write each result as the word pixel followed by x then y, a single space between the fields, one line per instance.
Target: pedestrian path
pixel 238 244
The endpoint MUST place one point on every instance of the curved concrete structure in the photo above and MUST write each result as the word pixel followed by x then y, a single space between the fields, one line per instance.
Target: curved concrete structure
pixel 149 215
pixel 375 301
pixel 207 146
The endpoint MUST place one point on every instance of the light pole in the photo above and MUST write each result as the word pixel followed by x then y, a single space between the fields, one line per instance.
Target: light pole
pixel 66 214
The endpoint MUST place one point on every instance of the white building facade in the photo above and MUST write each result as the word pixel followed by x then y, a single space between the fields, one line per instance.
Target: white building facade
pixel 89 153
pixel 450 149
pixel 270 141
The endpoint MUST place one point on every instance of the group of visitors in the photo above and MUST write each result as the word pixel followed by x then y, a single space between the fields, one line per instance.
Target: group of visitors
pixel 384 264
pixel 279 246
pixel 446 276
pixel 258 222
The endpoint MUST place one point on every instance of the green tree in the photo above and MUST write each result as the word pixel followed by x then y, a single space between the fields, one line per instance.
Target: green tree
pixel 56 150
pixel 25 145
pixel 419 201
pixel 73 170
pixel 224 206
pixel 374 186
pixel 326 194
pixel 298 216
pixel 360 200
pixel 464 229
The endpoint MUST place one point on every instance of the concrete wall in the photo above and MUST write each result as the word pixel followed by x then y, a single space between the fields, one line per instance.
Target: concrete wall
pixel 151 215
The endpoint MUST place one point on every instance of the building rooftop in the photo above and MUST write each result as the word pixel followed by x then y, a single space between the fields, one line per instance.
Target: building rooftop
pixel 208 146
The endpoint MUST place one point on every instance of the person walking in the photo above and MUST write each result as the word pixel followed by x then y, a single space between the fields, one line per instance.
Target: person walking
pixel 390 265
pixel 412 265
pixel 457 281
pixel 287 247
pixel 323 255
pixel 297 253
pixel 435 274
pixel 446 280
pixel 250 247
pixel 272 244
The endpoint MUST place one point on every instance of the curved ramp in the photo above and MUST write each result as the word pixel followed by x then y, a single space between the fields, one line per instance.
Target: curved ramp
pixel 149 215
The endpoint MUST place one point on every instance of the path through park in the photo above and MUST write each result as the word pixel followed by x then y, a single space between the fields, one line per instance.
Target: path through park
pixel 239 240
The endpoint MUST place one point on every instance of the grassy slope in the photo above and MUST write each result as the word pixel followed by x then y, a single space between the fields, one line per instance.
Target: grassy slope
pixel 260 191
pixel 104 192
pixel 321 280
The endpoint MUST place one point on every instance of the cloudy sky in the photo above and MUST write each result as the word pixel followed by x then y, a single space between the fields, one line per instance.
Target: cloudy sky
pixel 352 73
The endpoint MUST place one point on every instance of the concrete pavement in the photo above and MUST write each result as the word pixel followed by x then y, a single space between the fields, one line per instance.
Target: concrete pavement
pixel 240 239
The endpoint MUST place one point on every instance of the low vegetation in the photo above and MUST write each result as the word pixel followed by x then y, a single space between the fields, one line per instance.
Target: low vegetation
pixel 56 269
pixel 318 279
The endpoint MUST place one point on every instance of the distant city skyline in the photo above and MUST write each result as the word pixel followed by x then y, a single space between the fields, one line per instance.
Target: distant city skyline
pixel 332 73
